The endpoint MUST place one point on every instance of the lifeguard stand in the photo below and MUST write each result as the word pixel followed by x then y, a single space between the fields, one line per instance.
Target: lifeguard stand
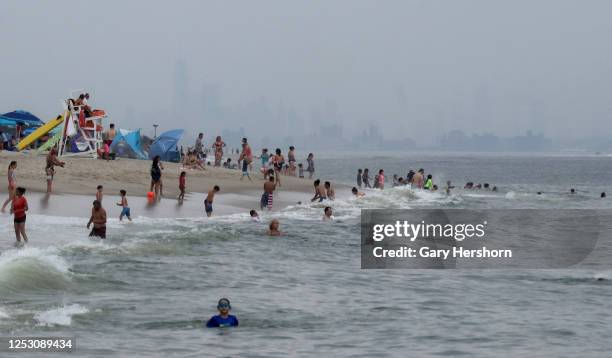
pixel 80 132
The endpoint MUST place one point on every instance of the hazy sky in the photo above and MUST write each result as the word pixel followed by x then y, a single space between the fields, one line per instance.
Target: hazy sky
pixel 417 68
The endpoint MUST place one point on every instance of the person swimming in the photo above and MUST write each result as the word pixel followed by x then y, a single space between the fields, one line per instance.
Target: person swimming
pixel 273 229
pixel 357 193
pixel 223 319
pixel 254 216
pixel 328 214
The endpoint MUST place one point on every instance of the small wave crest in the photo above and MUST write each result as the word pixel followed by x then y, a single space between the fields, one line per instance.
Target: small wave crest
pixel 32 269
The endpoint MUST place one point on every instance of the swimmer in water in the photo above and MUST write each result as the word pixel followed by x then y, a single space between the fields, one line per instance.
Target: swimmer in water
pixel 331 194
pixel 320 192
pixel 328 214
pixel 603 195
pixel 449 187
pixel 357 193
pixel 273 229
pixel 209 200
pixel 428 183
pixel 572 191
pixel 223 319
pixel 254 216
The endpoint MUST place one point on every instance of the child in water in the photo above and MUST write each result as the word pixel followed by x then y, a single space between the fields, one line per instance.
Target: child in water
pixel 124 204
pixel 19 206
pixel 223 319
pixel 359 175
pixel 254 216
pixel 209 200
pixel 301 170
pixel 356 192
pixel 273 229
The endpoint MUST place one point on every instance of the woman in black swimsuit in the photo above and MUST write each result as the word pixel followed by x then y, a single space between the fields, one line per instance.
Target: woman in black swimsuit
pixel 156 174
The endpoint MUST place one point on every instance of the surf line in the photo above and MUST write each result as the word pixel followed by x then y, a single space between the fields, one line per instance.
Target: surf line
pixel 455 252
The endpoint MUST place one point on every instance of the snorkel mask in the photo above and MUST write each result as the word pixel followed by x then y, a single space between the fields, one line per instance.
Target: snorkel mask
pixel 224 303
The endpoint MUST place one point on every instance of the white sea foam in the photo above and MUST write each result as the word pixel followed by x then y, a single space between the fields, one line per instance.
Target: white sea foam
pixel 4 314
pixel 60 316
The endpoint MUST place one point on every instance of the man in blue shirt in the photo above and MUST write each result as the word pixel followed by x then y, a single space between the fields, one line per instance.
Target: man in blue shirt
pixel 223 319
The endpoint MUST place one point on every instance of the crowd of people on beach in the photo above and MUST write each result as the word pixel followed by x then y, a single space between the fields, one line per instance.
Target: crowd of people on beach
pixel 272 168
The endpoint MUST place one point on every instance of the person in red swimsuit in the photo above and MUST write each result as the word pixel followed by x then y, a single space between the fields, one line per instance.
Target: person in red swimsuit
pixel 19 206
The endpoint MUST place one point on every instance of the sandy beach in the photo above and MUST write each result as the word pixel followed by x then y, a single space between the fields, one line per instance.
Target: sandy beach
pixel 81 176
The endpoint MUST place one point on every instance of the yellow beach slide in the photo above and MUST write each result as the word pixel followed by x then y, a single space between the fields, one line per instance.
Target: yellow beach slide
pixel 46 128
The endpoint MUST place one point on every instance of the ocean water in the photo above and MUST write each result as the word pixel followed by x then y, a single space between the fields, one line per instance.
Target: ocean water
pixel 149 288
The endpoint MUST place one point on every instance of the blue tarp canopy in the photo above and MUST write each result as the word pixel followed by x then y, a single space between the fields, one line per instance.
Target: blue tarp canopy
pixel 166 146
pixel 127 144
pixel 10 119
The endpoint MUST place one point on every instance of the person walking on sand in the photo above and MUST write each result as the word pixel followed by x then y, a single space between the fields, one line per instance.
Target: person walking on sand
pixel 199 146
pixel 267 196
pixel 218 148
pixel 19 206
pixel 265 158
pixel 279 162
pixel 247 157
pixel 310 168
pixel 182 183
pixel 12 183
pixel 98 218
pixel 209 200
pixel 292 161
pixel 52 161
pixel 125 211
pixel 156 180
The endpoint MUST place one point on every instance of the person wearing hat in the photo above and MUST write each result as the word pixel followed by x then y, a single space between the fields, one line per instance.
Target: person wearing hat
pixel 223 319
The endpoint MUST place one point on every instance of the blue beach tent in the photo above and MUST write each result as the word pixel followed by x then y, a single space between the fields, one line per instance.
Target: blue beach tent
pixel 10 119
pixel 166 146
pixel 127 144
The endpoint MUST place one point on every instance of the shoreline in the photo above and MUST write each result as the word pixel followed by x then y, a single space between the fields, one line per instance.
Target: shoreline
pixel 80 177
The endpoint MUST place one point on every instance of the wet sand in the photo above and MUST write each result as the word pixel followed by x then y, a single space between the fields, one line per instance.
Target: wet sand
pixel 74 187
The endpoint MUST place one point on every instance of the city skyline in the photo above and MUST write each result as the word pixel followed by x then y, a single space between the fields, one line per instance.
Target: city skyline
pixel 416 69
